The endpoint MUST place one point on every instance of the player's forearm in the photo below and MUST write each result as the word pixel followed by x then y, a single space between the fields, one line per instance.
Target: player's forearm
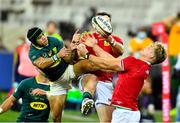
pixel 101 53
pixel 118 48
pixel 45 62
pixel 7 104
pixel 108 71
pixel 108 65
pixel 102 63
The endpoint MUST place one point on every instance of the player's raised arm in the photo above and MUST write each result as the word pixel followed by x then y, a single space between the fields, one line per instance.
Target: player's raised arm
pixel 90 41
pixel 116 44
pixel 7 104
pixel 109 63
pixel 42 62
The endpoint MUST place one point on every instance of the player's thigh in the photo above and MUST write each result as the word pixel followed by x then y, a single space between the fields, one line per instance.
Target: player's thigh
pixel 83 66
pixel 57 103
pixel 104 112
pixel 88 79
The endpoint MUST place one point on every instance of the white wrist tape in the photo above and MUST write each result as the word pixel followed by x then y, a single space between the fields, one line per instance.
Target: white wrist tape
pixel 1 110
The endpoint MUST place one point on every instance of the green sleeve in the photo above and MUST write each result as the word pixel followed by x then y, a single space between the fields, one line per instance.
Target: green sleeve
pixel 34 55
pixel 19 91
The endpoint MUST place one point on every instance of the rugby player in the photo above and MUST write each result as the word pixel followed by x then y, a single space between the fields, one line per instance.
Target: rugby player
pixel 102 93
pixel 35 108
pixel 131 73
pixel 53 59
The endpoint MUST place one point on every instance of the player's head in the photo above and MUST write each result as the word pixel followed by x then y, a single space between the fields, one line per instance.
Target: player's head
pixel 37 37
pixel 75 41
pixel 51 27
pixel 155 53
pixel 101 23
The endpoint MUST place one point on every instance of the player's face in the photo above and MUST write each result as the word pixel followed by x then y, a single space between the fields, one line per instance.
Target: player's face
pixel 42 40
pixel 148 51
pixel 75 41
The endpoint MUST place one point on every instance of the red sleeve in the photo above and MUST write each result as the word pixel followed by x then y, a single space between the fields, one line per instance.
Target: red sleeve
pixel 127 63
pixel 116 38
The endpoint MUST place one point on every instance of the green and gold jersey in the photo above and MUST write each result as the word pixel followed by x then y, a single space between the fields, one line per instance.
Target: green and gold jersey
pixel 34 108
pixel 54 46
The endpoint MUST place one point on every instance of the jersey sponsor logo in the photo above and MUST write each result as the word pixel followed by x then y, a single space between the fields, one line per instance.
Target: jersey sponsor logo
pixel 54 50
pixel 45 55
pixel 30 91
pixel 38 105
pixel 106 43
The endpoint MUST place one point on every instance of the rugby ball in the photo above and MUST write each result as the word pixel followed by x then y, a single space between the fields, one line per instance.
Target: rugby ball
pixel 102 25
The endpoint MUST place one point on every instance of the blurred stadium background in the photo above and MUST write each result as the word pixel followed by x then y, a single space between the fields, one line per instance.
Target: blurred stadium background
pixel 128 16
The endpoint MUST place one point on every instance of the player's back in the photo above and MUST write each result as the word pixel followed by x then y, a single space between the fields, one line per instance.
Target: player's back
pixel 130 82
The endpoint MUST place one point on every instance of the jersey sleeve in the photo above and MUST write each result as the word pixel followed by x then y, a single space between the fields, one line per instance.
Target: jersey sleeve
pixel 19 91
pixel 116 38
pixel 34 55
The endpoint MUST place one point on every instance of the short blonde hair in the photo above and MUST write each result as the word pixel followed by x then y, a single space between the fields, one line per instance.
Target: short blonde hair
pixel 160 53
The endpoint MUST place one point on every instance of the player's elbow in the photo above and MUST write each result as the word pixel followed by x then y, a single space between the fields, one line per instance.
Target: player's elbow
pixel 40 65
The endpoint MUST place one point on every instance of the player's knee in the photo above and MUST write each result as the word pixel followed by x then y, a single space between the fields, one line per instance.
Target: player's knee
pixel 93 80
pixel 56 116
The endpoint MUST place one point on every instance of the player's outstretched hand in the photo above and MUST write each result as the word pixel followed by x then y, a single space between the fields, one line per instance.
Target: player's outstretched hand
pixel 88 39
pixel 82 50
pixel 38 92
pixel 63 52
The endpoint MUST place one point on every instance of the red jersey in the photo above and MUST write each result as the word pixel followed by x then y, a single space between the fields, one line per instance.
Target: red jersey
pixel 130 83
pixel 103 76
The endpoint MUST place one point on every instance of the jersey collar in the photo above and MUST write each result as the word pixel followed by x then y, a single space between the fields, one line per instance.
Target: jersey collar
pixel 40 82
pixel 146 62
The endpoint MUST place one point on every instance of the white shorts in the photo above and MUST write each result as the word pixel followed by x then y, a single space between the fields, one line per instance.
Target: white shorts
pixel 125 116
pixel 61 85
pixel 103 94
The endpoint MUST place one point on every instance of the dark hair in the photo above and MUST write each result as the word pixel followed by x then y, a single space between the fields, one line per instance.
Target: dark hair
pixel 160 53
pixel 52 22
pixel 33 34
pixel 104 14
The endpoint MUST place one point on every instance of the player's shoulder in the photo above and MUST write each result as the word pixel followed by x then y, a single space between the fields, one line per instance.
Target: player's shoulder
pixel 132 61
pixel 33 50
pixel 54 41
pixel 28 80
